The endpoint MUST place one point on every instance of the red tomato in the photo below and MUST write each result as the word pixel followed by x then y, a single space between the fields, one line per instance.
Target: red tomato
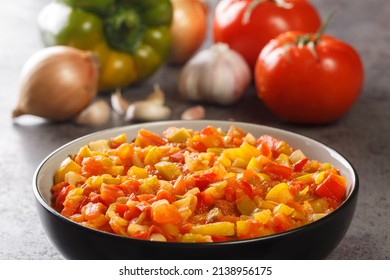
pixel 267 20
pixel 309 83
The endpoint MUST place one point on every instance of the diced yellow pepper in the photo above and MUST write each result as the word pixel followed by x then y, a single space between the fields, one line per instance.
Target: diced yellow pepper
pixel 284 148
pixel 284 160
pixel 265 204
pixel 195 238
pixel 280 193
pixel 85 152
pixel 110 180
pixel 120 139
pixel 239 163
pixel 305 178
pixel 177 135
pixel 116 170
pixel 263 216
pixel 245 152
pixel 153 156
pixel 137 172
pixel 134 229
pixel 225 161
pixel 283 208
pixel 216 151
pixel 149 186
pixel 316 217
pixel 168 170
pixel 216 229
pixel 217 190
pixel 99 146
pixel 73 178
pixel 245 204
pixel 67 165
pixel 319 205
pixel 186 206
pixel 326 166
pixel 74 193
pixel 257 163
pixel 94 181
pixel 319 177
pixel 301 195
pixel 242 227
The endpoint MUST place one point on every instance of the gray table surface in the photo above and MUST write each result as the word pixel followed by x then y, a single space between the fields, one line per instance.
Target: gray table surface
pixel 363 135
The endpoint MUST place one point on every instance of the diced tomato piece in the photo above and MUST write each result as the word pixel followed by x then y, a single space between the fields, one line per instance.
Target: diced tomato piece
pixel 146 197
pixel 165 194
pixel 333 187
pixel 130 186
pixel 92 210
pixel 270 141
pixel 131 212
pixel 91 167
pixel 221 238
pixel 178 157
pixel 211 138
pixel 60 197
pixel 166 214
pixel 265 150
pixel 230 194
pixel 247 188
pixel 146 138
pixel 204 202
pixel 199 146
pixel 204 181
pixel 121 209
pixel 280 222
pixel 110 193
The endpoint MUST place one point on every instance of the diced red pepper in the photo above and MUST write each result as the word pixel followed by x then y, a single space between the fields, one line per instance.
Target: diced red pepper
pixel 300 164
pixel 278 171
pixel 146 138
pixel 333 187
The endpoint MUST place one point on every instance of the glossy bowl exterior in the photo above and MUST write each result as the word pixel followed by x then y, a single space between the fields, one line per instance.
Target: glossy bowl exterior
pixel 314 241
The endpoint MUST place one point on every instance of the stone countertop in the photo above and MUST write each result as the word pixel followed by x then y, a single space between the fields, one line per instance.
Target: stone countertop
pixel 363 135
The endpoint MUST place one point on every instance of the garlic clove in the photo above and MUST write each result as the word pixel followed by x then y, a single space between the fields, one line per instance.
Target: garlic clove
pixel 118 103
pixel 194 113
pixel 157 96
pixel 147 111
pixel 96 114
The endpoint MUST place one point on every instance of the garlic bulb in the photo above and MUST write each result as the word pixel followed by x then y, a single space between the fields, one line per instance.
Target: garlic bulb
pixel 217 75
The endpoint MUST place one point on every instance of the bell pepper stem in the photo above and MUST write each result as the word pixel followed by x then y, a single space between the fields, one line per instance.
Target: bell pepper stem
pixel 123 29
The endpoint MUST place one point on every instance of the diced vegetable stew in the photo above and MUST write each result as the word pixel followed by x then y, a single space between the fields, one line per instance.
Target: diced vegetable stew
pixel 195 186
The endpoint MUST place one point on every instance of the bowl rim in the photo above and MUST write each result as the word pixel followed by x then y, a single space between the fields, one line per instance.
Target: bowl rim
pixel 135 127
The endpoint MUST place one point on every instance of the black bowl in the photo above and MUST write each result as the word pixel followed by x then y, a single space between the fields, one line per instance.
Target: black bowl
pixel 313 241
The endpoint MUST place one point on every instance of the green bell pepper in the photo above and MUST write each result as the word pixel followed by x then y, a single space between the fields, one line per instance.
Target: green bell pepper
pixel 130 37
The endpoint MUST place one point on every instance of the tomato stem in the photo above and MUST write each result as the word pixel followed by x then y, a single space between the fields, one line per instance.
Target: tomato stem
pixel 279 3
pixel 324 26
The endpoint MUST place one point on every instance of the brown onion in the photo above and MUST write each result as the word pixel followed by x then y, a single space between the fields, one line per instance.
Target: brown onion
pixel 188 29
pixel 57 83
